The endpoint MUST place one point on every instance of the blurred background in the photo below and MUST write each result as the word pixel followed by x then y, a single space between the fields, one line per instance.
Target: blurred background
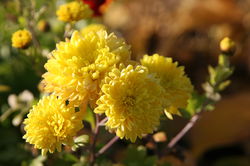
pixel 187 30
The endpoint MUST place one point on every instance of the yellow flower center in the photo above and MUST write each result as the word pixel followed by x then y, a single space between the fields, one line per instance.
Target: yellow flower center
pixel 129 101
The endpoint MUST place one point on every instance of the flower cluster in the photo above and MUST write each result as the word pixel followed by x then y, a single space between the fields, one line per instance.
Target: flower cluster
pixel 133 98
pixel 73 11
pixel 94 67
pixel 21 39
pixel 78 65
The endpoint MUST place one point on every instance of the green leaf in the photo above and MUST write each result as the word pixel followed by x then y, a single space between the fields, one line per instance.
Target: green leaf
pixel 80 141
pixel 105 162
pixel 38 161
pixel 212 75
pixel 22 21
pixel 69 157
pixel 64 159
pixel 222 74
pixel 223 85
pixel 90 117
pixel 194 105
pixel 82 162
pixel 209 107
pixel 137 156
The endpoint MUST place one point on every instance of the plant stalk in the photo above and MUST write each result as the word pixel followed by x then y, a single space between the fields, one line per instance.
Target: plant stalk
pixel 92 149
pixel 184 131
pixel 107 146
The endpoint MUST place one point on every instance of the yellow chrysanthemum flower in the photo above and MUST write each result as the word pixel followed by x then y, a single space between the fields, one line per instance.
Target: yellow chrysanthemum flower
pixel 77 66
pixel 73 11
pixel 177 85
pixel 131 101
pixel 92 28
pixel 51 123
pixel 21 39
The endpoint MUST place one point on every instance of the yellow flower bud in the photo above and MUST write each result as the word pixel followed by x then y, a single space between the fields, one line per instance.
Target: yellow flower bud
pixel 21 39
pixel 43 26
pixel 227 45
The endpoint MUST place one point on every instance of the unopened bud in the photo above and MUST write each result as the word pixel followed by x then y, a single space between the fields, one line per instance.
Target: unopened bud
pixel 43 26
pixel 227 46
pixel 160 137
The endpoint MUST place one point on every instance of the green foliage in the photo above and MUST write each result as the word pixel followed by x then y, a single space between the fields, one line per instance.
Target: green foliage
pixel 38 161
pixel 80 141
pixel 217 81
pixel 18 74
pixel 195 105
pixel 218 75
pixel 64 159
pixel 137 156
pixel 90 117
pixel 105 162
pixel 12 150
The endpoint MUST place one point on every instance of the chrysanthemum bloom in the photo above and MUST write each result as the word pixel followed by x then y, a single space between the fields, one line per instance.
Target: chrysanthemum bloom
pixel 131 101
pixel 98 6
pixel 21 39
pixel 177 85
pixel 73 11
pixel 78 65
pixel 92 28
pixel 50 124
